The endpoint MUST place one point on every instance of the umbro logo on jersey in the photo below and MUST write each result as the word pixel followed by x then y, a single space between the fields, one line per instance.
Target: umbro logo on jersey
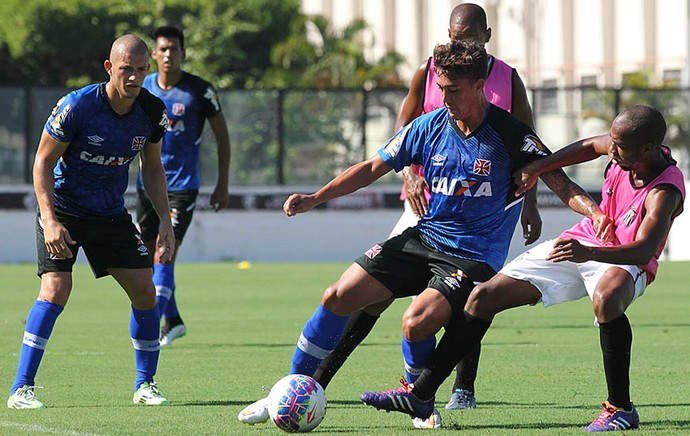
pixel 531 144
pixel 438 160
pixel 95 140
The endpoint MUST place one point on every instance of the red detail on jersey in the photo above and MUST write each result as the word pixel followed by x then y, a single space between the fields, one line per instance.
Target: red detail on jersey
pixel 482 167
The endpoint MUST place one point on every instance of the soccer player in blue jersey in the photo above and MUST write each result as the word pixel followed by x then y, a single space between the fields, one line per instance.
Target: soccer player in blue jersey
pixel 469 149
pixel 190 101
pixel 80 177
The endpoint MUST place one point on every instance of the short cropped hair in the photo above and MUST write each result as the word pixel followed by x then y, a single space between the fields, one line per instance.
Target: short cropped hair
pixel 643 124
pixel 169 32
pixel 461 59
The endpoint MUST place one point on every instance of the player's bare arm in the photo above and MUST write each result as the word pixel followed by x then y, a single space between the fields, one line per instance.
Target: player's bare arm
pixel 579 151
pixel 155 184
pixel 57 238
pixel 357 176
pixel 411 108
pixel 530 219
pixel 579 201
pixel 661 206
pixel 220 197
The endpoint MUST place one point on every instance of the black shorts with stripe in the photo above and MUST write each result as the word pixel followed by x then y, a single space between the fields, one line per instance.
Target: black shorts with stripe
pixel 108 242
pixel 406 266
pixel 182 205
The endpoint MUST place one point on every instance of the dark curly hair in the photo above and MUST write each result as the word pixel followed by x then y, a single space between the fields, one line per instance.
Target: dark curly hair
pixel 461 59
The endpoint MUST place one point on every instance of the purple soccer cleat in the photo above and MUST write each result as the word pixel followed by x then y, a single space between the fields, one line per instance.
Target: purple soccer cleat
pixel 400 400
pixel 613 418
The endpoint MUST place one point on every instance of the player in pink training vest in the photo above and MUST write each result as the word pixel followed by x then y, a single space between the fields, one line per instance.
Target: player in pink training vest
pixel 612 263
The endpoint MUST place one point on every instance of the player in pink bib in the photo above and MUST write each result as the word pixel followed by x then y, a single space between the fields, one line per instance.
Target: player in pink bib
pixel 611 262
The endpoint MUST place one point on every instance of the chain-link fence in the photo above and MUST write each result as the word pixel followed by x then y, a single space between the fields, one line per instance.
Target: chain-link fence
pixel 307 136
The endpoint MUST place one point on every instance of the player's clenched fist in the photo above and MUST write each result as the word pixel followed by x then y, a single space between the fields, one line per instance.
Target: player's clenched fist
pixel 298 203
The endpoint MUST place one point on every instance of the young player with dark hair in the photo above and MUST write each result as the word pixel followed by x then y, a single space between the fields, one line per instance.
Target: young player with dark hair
pixel 469 149
pixel 190 101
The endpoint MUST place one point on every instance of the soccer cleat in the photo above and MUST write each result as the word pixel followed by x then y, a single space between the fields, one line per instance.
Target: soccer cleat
pixel 461 399
pixel 169 334
pixel 255 413
pixel 400 400
pixel 431 423
pixel 149 394
pixel 24 398
pixel 614 418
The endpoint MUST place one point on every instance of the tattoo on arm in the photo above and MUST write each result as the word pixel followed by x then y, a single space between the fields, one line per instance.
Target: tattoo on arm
pixel 570 193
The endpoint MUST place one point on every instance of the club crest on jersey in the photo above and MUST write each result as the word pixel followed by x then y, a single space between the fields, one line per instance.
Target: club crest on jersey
pixel 393 146
pixel 629 215
pixel 482 167
pixel 178 109
pixel 531 144
pixel 457 187
pixel 438 160
pixel 138 143
pixel 373 251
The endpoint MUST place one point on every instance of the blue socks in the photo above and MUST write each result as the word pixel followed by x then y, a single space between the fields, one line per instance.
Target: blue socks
pixel 143 328
pixel 164 279
pixel 416 355
pixel 319 337
pixel 39 326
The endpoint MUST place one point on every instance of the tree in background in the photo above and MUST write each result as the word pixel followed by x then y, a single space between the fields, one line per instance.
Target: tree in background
pixel 235 43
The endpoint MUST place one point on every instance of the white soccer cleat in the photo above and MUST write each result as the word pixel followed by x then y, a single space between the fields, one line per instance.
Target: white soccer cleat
pixel 149 395
pixel 24 398
pixel 433 422
pixel 169 335
pixel 255 413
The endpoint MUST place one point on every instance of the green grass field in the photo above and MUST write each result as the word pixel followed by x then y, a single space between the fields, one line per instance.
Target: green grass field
pixel 541 370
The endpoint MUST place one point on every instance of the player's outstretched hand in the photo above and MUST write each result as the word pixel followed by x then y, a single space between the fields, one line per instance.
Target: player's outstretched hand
pixel 57 239
pixel 569 250
pixel 525 178
pixel 298 203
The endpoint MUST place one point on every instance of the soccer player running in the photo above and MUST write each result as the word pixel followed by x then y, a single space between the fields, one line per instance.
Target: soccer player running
pixel 643 192
pixel 504 88
pixel 80 177
pixel 469 149
pixel 189 100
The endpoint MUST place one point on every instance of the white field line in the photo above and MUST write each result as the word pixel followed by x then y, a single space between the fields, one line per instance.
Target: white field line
pixel 41 429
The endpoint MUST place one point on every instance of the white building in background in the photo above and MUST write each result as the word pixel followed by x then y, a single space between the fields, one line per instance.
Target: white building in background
pixel 552 43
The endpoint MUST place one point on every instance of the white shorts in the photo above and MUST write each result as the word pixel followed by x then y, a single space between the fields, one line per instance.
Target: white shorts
pixel 559 282
pixel 407 219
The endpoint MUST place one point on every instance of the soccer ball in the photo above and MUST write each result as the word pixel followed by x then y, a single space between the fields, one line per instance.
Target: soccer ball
pixel 297 403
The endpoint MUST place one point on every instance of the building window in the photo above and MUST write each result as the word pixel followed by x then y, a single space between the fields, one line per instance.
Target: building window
pixel 672 78
pixel 548 96
pixel 589 81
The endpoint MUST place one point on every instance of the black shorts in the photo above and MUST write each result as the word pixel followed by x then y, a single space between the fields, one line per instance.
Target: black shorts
pixel 111 242
pixel 406 266
pixel 182 204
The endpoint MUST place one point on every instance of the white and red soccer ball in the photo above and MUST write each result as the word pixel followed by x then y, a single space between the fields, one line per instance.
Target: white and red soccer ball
pixel 297 403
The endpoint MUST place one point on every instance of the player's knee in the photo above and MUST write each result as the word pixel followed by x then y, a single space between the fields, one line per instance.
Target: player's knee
pixel 417 327
pixel 608 304
pixel 332 299
pixel 478 303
